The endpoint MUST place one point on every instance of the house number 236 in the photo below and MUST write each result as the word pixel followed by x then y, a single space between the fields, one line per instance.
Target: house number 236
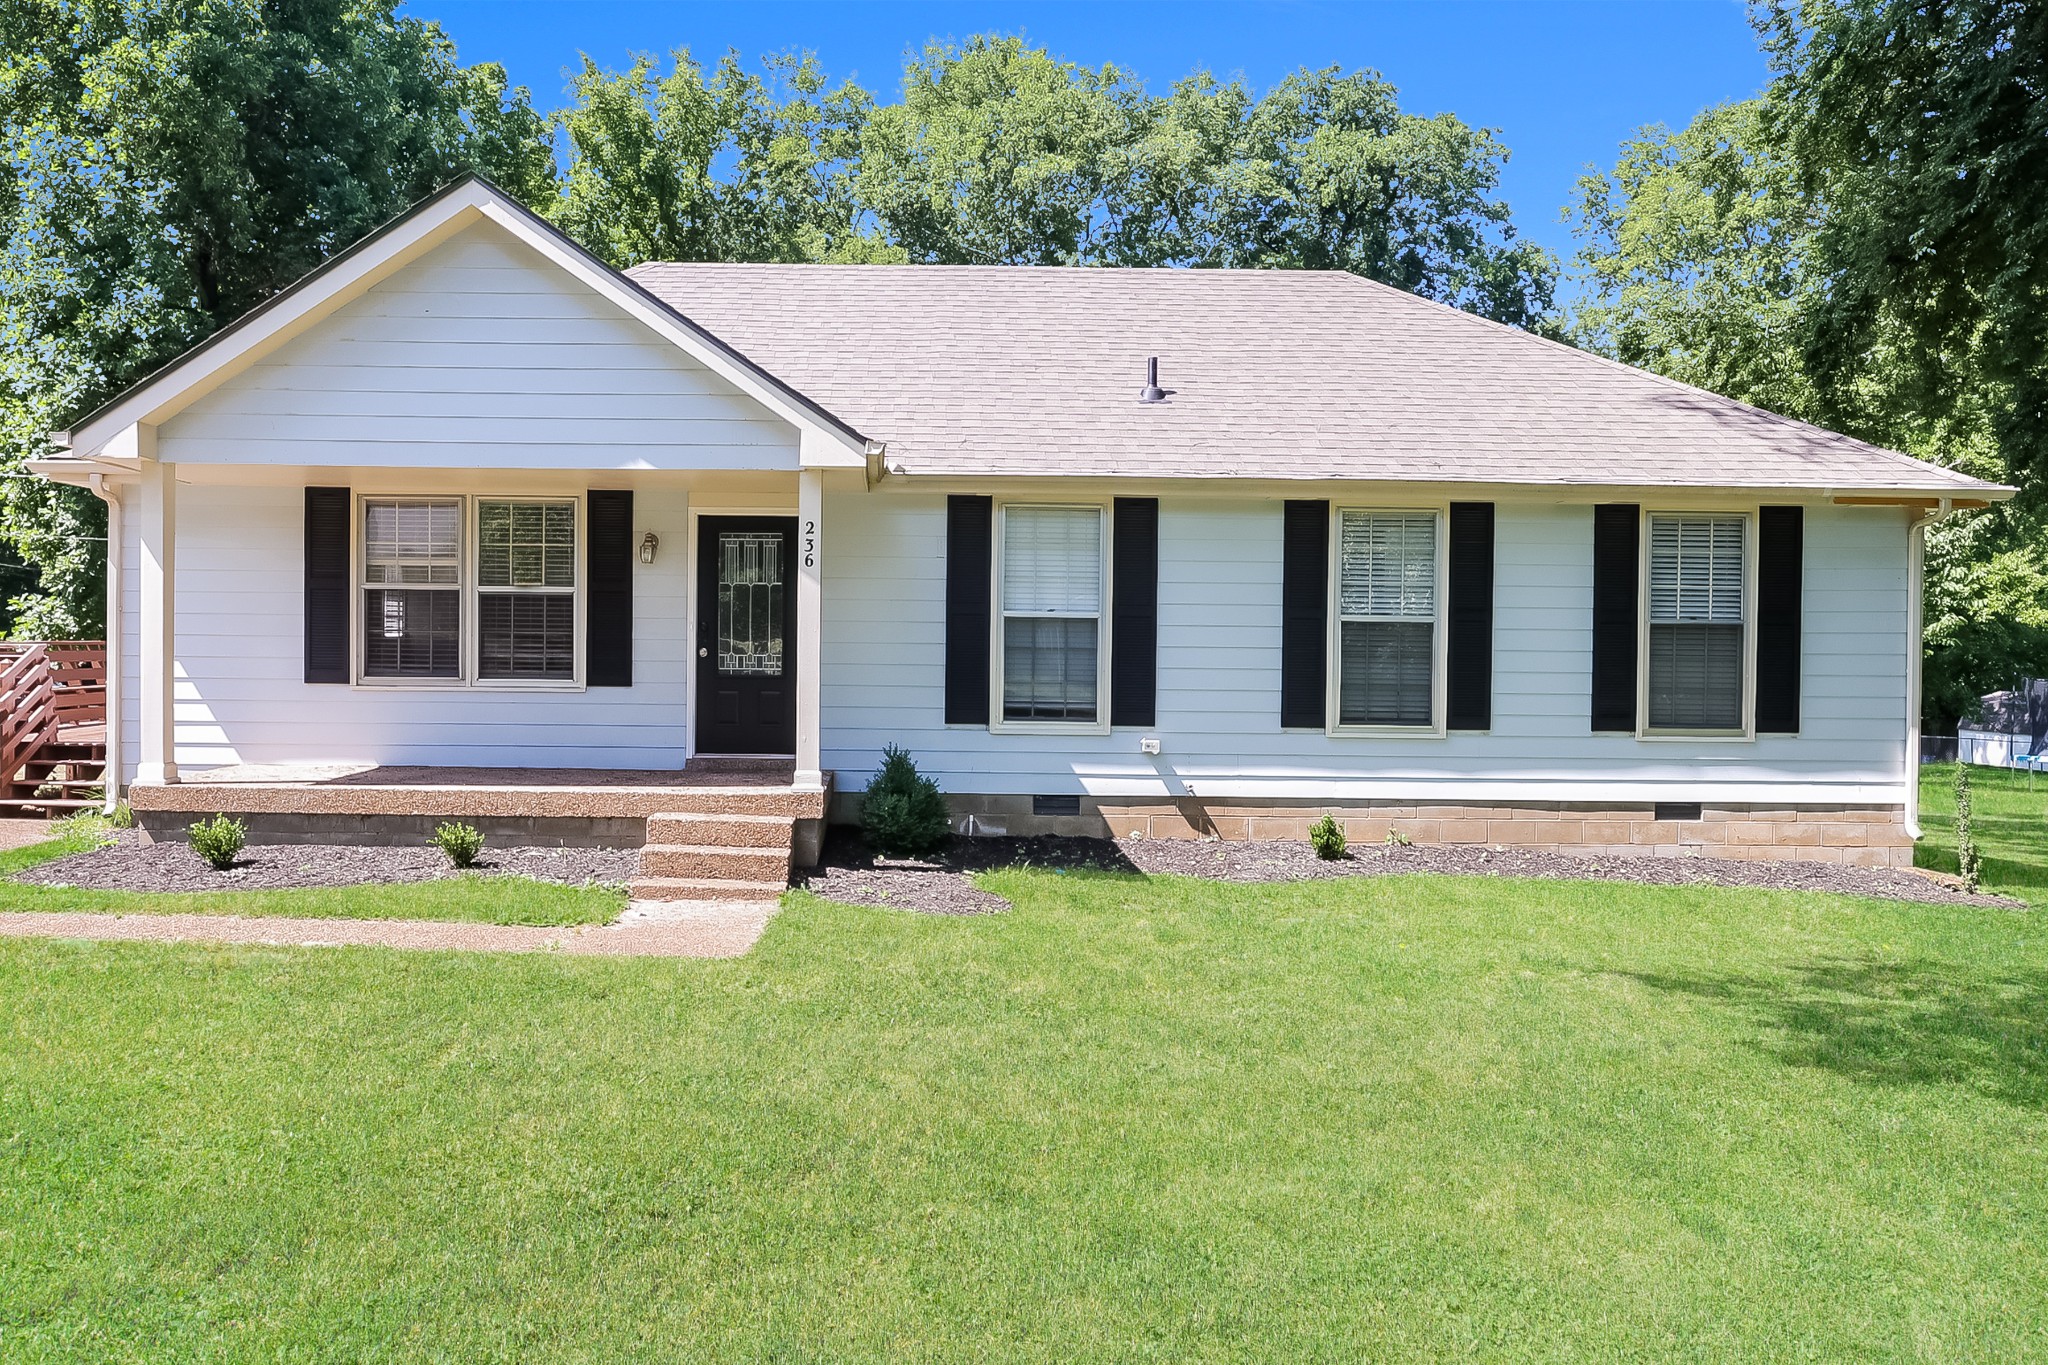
pixel 810 545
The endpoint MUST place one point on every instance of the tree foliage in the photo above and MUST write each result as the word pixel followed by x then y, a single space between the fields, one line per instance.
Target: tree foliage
pixel 732 166
pixel 1000 153
pixel 170 165
pixel 1925 128
pixel 1693 248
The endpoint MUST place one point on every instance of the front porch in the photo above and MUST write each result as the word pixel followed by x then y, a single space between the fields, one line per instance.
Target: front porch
pixel 716 828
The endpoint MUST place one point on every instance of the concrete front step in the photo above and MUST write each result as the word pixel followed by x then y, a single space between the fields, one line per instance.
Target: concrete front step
pixel 715 860
pixel 703 889
pixel 726 831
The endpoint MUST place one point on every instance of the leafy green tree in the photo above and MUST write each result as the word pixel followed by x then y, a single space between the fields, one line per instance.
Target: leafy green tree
pixel 1925 127
pixel 170 165
pixel 731 166
pixel 1693 253
pixel 1000 154
pixel 1334 176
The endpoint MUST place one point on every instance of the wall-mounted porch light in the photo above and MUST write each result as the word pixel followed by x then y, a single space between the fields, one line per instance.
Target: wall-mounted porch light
pixel 649 543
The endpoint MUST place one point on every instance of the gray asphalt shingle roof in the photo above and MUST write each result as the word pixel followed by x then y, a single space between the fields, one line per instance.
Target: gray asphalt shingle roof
pixel 1001 370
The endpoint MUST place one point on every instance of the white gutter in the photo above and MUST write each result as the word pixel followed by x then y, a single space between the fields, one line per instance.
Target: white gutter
pixel 111 783
pixel 1915 653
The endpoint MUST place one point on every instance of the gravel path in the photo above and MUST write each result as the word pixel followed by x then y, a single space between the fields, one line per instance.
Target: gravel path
pixel 849 872
pixel 129 864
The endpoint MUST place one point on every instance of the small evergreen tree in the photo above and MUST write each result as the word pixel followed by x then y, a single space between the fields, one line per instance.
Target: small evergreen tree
pixel 1328 837
pixel 903 811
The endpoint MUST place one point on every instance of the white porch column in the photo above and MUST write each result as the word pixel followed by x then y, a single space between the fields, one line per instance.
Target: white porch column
pixel 157 532
pixel 810 632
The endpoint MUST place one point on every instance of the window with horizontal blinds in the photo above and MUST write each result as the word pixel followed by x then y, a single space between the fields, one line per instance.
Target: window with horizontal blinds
pixel 1051 600
pixel 1386 618
pixel 412 588
pixel 1697 606
pixel 526 589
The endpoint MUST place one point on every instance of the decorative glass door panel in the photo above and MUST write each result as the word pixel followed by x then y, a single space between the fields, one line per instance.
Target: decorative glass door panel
pixel 750 592
pixel 745 702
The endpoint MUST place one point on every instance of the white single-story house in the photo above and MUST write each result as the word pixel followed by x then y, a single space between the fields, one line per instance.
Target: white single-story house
pixel 467 502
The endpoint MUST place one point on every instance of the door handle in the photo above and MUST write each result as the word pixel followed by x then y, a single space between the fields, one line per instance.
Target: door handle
pixel 702 652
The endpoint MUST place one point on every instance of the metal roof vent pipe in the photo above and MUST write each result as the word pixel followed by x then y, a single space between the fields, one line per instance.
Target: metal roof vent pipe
pixel 1152 393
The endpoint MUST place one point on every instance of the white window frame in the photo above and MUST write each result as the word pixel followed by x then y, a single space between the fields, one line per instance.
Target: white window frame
pixel 1746 733
pixel 998 724
pixel 469 589
pixel 1334 627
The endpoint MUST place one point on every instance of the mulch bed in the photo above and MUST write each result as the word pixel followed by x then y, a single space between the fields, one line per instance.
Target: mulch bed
pixel 849 872
pixel 130 864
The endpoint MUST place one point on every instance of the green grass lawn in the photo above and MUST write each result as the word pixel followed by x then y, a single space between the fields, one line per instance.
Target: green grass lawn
pixel 483 900
pixel 1130 1120
pixel 2010 816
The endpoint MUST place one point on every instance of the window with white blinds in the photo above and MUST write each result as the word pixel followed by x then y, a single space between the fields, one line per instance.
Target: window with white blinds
pixel 510 588
pixel 1697 621
pixel 1050 590
pixel 526 589
pixel 1386 618
pixel 412 588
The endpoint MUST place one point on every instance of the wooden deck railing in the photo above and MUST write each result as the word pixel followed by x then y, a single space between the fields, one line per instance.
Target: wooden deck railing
pixel 49 688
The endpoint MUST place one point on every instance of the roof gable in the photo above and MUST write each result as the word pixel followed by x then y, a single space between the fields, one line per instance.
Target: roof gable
pixel 462 206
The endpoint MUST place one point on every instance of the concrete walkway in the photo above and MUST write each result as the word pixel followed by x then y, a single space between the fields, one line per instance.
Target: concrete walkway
pixel 646 929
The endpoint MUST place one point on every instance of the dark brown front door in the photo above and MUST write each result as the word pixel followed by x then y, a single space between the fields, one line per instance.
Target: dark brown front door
pixel 746 635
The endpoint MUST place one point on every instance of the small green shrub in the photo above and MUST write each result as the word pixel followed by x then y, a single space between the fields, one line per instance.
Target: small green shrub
pixel 459 841
pixel 902 810
pixel 1328 837
pixel 123 816
pixel 218 841
pixel 1969 858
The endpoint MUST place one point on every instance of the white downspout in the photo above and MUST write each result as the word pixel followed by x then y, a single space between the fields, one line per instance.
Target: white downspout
pixel 111 785
pixel 1916 531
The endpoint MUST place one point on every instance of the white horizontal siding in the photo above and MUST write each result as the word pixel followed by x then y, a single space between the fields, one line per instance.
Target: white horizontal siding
pixel 241 697
pixel 1219 669
pixel 480 355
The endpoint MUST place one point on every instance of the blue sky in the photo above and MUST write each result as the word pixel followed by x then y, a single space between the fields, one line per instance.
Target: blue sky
pixel 1563 82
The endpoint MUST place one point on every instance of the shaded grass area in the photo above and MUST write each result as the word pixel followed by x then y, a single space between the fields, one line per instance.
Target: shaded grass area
pixel 471 899
pixel 1133 1119
pixel 2009 812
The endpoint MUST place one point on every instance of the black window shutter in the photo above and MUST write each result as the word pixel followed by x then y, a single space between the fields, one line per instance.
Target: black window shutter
pixel 1617 554
pixel 1469 649
pixel 1134 611
pixel 970 526
pixel 327 587
pixel 1304 613
pixel 1780 583
pixel 608 555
